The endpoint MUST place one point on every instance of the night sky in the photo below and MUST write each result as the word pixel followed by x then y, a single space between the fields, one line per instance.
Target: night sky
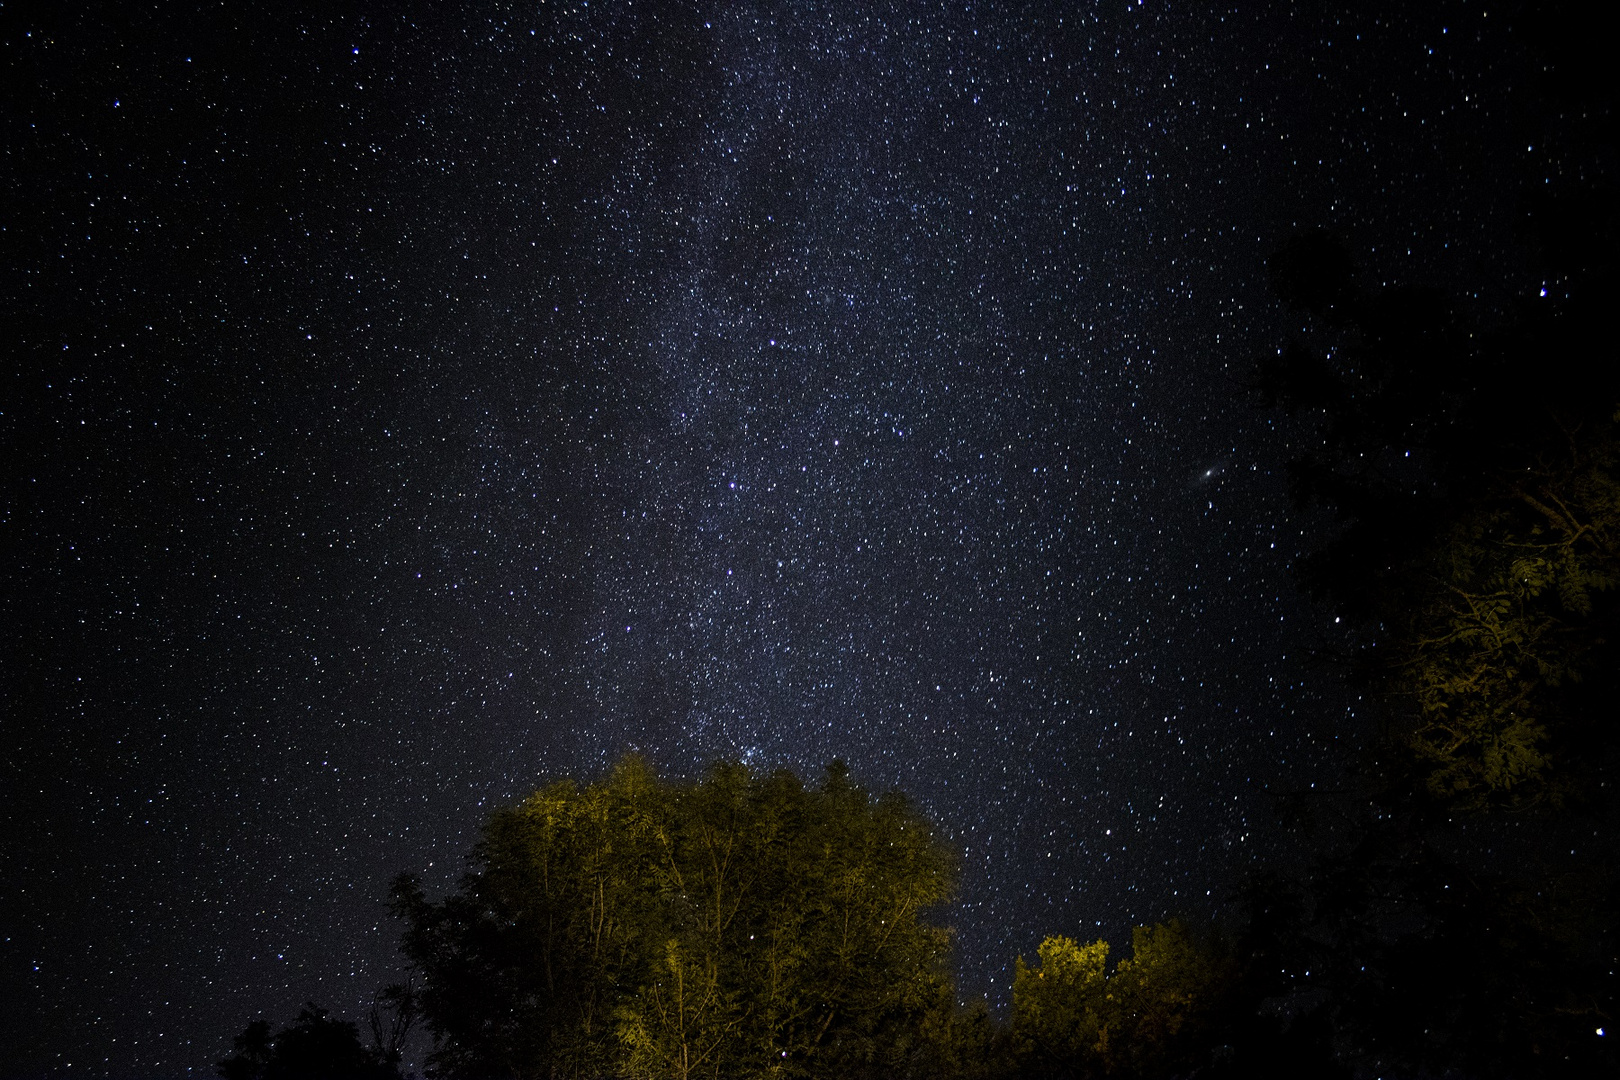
pixel 409 404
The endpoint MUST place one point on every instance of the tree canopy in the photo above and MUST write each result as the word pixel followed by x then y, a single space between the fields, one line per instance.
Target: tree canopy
pixel 1147 1017
pixel 1508 615
pixel 738 925
pixel 1475 476
pixel 1473 472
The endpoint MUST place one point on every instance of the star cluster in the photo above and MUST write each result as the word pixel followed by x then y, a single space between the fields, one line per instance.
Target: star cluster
pixel 412 404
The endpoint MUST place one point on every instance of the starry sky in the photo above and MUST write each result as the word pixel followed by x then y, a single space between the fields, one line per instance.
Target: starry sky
pixel 412 403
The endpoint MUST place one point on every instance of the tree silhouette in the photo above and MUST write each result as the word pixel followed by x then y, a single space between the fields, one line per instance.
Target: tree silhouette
pixel 313 1047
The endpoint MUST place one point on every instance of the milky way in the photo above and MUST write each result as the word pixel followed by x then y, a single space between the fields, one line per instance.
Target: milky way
pixel 412 408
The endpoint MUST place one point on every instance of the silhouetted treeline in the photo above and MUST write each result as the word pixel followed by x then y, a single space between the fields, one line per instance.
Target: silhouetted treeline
pixel 317 1047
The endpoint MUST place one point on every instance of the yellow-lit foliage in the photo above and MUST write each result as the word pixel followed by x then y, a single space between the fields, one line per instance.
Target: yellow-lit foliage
pixel 1504 624
pixel 1058 1007
pixel 739 925
pixel 1073 1017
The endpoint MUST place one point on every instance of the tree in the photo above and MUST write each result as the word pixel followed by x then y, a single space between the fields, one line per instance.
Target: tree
pixel 1509 615
pixel 964 1043
pixel 1060 1009
pixel 1148 1017
pixel 524 967
pixel 313 1047
pixel 739 925
pixel 1473 476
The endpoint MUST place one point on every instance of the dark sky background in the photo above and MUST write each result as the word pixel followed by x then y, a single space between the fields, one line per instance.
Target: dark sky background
pixel 408 404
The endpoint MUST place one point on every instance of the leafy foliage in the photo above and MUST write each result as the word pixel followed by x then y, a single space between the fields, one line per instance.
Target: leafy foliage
pixel 1507 620
pixel 1473 478
pixel 1148 1017
pixel 740 925
pixel 1473 474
